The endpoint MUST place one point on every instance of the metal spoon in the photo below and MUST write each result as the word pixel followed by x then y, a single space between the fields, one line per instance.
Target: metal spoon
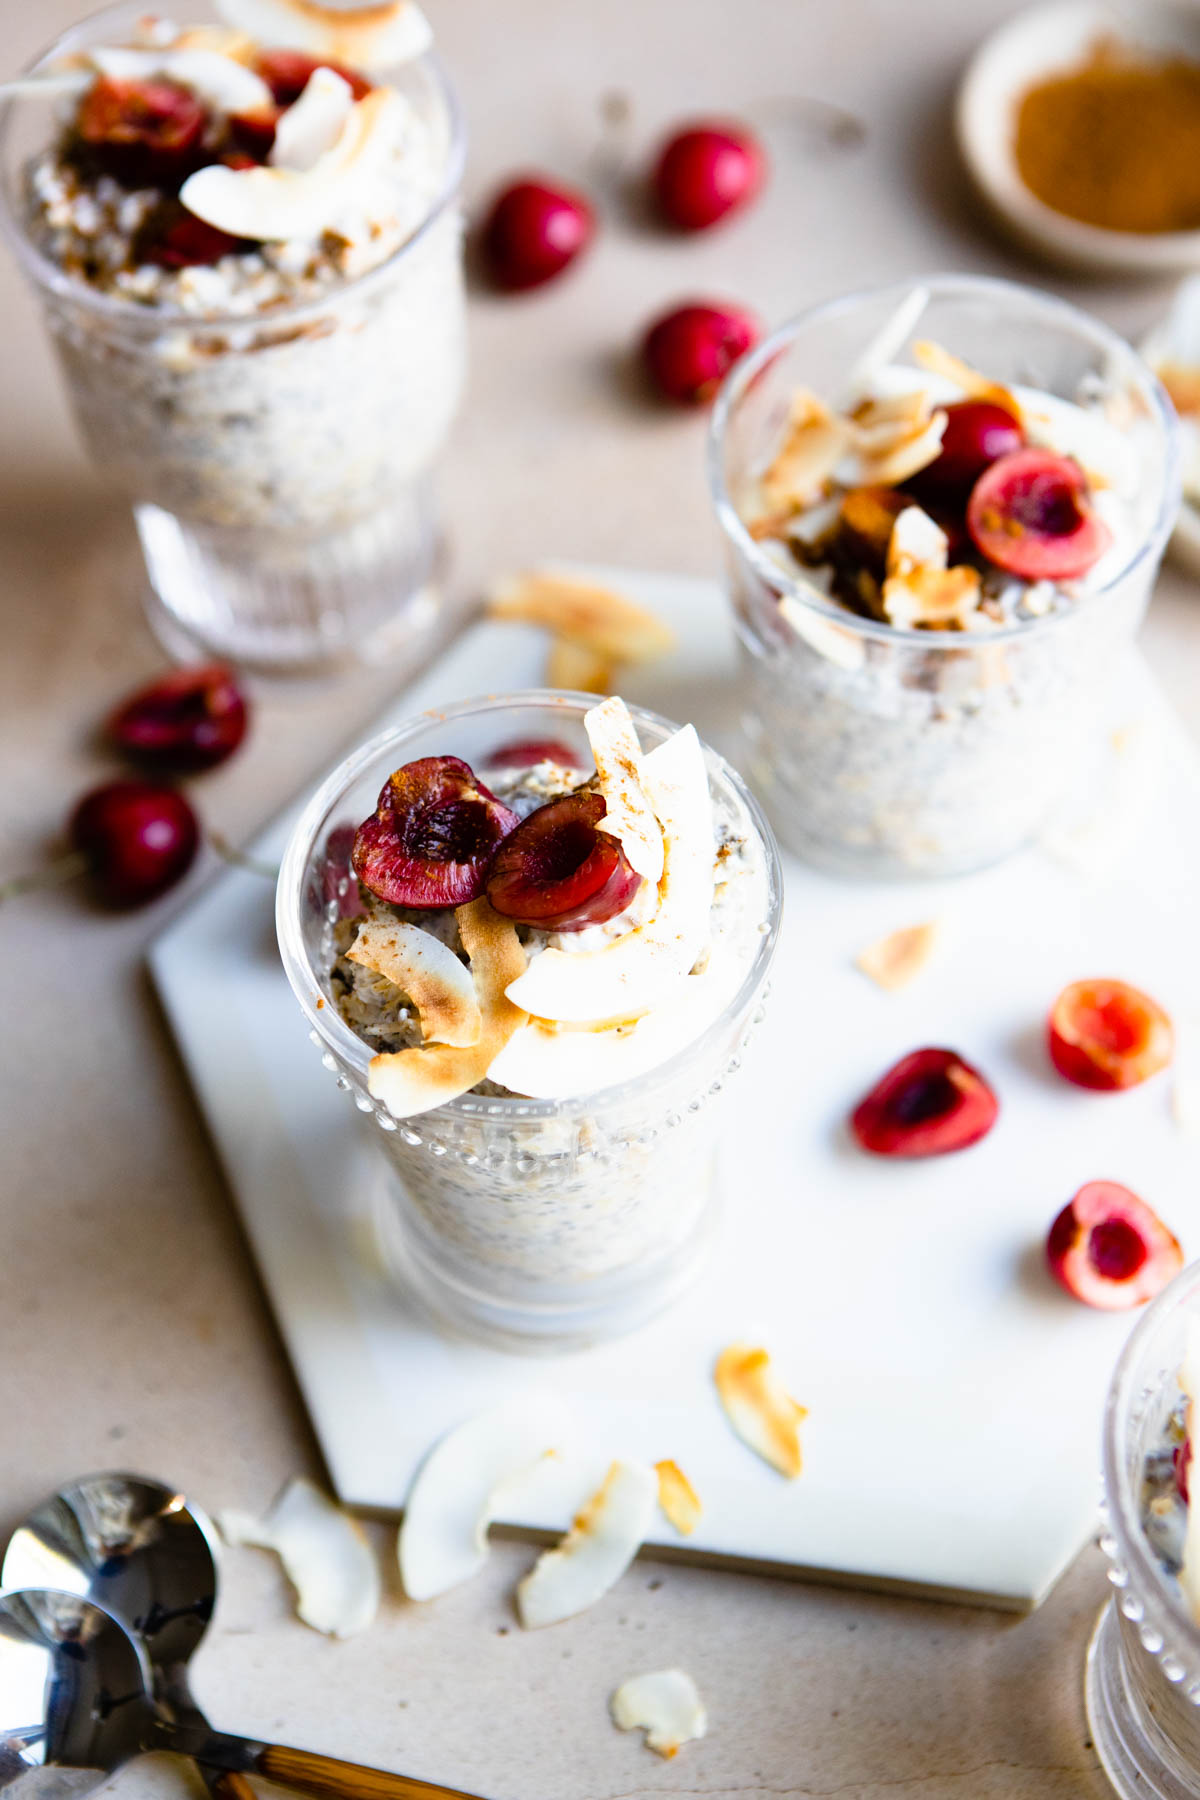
pixel 75 1692
pixel 135 1548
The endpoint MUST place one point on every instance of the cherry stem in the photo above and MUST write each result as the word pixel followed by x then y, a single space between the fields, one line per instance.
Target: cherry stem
pixel 241 859
pixel 65 868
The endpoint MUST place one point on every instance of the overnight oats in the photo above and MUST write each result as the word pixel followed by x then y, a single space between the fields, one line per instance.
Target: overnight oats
pixel 245 233
pixel 944 506
pixel 1143 1676
pixel 531 935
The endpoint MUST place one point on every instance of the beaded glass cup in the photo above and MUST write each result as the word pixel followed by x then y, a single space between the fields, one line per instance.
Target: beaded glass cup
pixel 889 751
pixel 532 1223
pixel 1143 1665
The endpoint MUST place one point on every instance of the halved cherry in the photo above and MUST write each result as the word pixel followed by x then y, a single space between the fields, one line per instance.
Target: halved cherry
pixel 524 753
pixel 187 720
pixel 558 872
pixel 1110 1250
pixel 1106 1034
pixel 145 133
pixel 1031 514
pixel 930 1102
pixel 254 132
pixel 977 433
pixel 174 238
pixel 286 73
pixel 432 836
pixel 338 881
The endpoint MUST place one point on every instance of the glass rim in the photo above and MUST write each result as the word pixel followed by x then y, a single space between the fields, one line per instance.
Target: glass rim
pixel 1133 1551
pixel 332 1028
pixel 46 274
pixel 745 371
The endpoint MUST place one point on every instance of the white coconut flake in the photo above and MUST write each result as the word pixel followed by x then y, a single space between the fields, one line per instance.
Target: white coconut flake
pixel 222 83
pixel 324 1554
pixel 377 36
pixel 630 816
pixel 665 1704
pixel 463 1484
pixel 311 126
pixel 887 344
pixel 596 1552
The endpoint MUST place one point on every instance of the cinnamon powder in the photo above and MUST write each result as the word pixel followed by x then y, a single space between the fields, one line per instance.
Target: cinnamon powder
pixel 1115 142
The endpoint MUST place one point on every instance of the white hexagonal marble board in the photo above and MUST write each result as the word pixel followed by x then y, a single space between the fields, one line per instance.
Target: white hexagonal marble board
pixel 954 1393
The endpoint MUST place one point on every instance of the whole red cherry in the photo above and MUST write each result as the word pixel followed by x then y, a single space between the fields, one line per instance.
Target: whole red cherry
pixel 533 231
pixel 689 351
pixel 706 171
pixel 138 839
pixel 977 432
pixel 189 719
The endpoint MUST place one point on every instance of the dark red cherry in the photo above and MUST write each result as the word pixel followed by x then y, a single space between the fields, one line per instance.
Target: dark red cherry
pixel 930 1102
pixel 977 433
pixel 525 752
pixel 432 836
pixel 253 134
pixel 287 72
pixel 558 872
pixel 189 719
pixel 706 171
pixel 145 133
pixel 174 238
pixel 688 352
pixel 533 231
pixel 138 839
pixel 1031 514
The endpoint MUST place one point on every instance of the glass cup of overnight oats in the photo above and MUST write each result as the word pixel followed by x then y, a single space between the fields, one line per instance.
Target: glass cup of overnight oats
pixel 531 936
pixel 944 505
pixel 249 253
pixel 1143 1666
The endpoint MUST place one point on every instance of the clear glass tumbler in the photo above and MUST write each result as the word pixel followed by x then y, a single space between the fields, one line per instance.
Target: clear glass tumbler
pixel 278 463
pixel 890 752
pixel 530 1223
pixel 1143 1665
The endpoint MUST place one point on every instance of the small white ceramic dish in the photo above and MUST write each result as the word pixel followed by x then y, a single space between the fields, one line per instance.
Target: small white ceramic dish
pixel 1037 43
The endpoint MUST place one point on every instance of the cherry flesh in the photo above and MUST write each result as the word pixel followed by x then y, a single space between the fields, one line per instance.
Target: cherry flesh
pixel 144 133
pixel 688 352
pixel 1110 1250
pixel 977 433
pixel 928 1103
pixel 1106 1035
pixel 138 839
pixel 705 172
pixel 559 872
pixel 525 753
pixel 189 719
pixel 1030 513
pixel 533 231
pixel 431 839
pixel 287 73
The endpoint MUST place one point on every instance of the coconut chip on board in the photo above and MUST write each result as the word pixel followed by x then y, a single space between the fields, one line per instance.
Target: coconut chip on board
pixel 763 1414
pixel 573 666
pixel 606 1536
pixel 665 1704
pixel 677 1498
pixel 324 1554
pixel 599 619
pixel 893 961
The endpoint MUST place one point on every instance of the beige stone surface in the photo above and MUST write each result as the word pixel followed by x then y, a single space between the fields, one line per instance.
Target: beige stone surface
pixel 132 1326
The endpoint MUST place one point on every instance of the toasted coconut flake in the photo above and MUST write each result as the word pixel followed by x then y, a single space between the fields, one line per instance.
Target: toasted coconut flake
pixel 764 1416
pixel 917 542
pixel 598 618
pixel 665 1704
pixel 802 467
pixel 236 44
pixel 597 1550
pixel 464 1483
pixel 936 599
pixel 889 457
pixel 275 204
pixel 634 972
pixel 575 667
pixel 324 1554
pixel 975 386
pixel 220 81
pixel 677 1497
pixel 437 983
pixel 415 1081
pixel 630 816
pixel 367 37
pixel 1189 1381
pixel 311 126
pixel 895 960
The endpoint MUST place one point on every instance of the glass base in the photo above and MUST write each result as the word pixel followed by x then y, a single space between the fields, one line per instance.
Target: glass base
pixel 296 604
pixel 1137 1758
pixel 572 1317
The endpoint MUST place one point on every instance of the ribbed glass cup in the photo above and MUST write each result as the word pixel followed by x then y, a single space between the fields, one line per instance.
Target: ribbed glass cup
pixel 535 1224
pixel 1143 1666
pixel 888 752
pixel 278 463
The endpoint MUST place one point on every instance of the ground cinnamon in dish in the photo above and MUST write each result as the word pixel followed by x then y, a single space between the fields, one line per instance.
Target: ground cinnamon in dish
pixel 1115 141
